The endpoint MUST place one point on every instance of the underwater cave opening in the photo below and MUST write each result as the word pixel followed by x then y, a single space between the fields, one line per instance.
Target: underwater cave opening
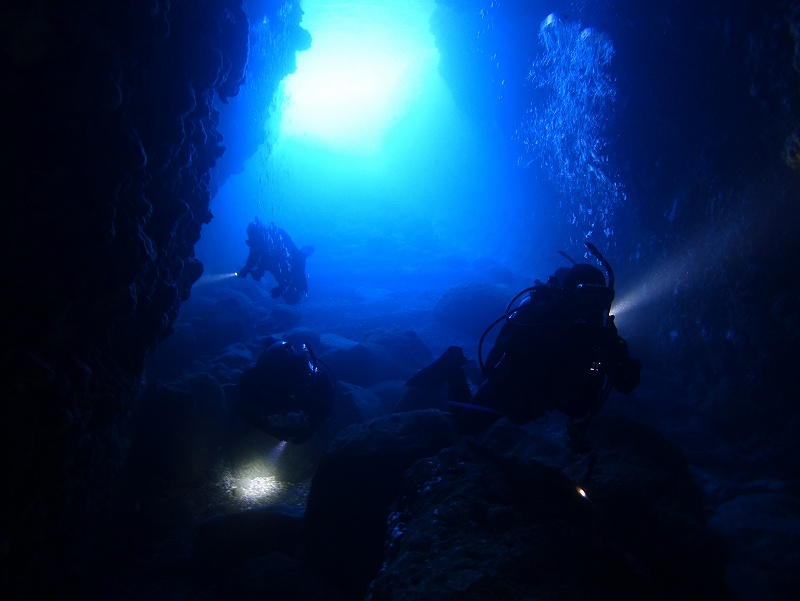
pixel 369 157
pixel 365 66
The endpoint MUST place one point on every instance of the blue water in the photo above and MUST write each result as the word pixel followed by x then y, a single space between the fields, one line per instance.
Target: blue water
pixel 417 144
pixel 419 181
pixel 441 149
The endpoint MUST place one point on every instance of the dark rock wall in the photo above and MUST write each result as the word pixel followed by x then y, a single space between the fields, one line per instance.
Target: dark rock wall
pixel 710 105
pixel 275 38
pixel 110 132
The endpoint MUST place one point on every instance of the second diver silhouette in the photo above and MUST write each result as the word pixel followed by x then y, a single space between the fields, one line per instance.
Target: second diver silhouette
pixel 272 249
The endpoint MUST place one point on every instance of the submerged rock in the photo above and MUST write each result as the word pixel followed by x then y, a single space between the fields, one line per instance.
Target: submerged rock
pixel 382 355
pixel 282 318
pixel 479 521
pixel 276 576
pixel 471 524
pixel 227 539
pixel 471 307
pixel 488 270
pixel 235 356
pixel 299 336
pixel 219 322
pixel 356 482
pixel 389 392
pixel 404 346
pixel 761 532
pixel 648 500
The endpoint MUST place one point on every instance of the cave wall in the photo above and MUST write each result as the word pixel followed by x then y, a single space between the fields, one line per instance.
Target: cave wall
pixel 110 135
pixel 275 39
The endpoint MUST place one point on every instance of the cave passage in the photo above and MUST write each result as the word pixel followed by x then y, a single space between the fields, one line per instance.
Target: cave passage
pixel 370 159
pixel 366 66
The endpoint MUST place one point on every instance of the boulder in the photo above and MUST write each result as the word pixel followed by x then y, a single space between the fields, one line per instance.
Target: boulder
pixel 282 318
pixel 298 336
pixel 472 524
pixel 403 346
pixel 361 364
pixel 470 308
pixel 383 354
pixel 761 533
pixel 276 576
pixel 222 321
pixel 413 398
pixel 224 540
pixel 235 356
pixel 490 271
pixel 352 405
pixel 356 482
pixel 330 342
pixel 513 514
pixel 641 484
pixel 389 393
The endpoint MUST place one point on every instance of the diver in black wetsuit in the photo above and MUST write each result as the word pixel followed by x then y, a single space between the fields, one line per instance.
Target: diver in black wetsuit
pixel 287 394
pixel 559 349
pixel 272 249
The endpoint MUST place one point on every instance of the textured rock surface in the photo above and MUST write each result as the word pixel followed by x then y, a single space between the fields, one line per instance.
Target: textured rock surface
pixel 178 428
pixel 110 129
pixel 761 532
pixel 474 525
pixel 110 111
pixel 357 480
pixel 479 521
pixel 226 540
pixel 471 307
pixel 383 354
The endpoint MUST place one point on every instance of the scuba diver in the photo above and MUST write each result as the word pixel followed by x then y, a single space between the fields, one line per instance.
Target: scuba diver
pixel 272 249
pixel 557 350
pixel 286 394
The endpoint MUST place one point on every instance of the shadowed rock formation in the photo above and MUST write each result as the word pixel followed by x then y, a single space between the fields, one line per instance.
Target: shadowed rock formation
pixel 110 131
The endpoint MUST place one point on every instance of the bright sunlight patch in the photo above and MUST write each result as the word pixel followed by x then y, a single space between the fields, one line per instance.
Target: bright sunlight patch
pixel 361 72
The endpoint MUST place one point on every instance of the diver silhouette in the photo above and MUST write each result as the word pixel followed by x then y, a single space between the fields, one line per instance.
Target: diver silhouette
pixel 558 349
pixel 288 393
pixel 272 249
